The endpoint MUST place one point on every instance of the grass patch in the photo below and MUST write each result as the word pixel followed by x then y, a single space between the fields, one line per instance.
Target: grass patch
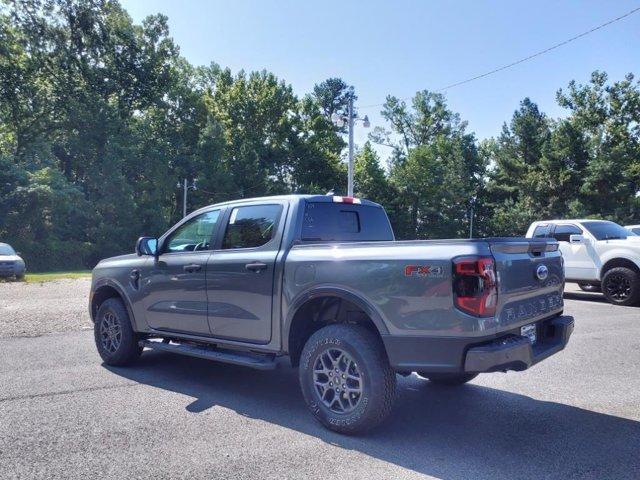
pixel 50 276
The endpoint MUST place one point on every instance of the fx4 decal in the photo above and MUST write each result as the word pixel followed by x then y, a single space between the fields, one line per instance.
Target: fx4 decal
pixel 423 271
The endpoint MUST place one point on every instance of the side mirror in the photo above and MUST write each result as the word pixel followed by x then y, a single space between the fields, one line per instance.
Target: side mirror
pixel 18 254
pixel 147 246
pixel 576 239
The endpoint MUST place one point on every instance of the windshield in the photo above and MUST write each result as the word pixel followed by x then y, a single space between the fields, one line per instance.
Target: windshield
pixel 607 230
pixel 6 250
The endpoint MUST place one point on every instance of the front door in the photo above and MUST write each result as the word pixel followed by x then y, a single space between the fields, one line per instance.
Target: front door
pixel 175 290
pixel 240 274
pixel 578 264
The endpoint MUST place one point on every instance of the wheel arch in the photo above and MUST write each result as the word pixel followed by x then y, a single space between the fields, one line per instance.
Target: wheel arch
pixel 618 262
pixel 321 306
pixel 104 291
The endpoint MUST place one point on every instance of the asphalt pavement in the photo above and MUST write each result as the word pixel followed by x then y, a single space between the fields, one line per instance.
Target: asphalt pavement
pixel 63 414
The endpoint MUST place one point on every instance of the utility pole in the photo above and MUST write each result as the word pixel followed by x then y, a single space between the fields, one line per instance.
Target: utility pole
pixel 350 171
pixel 471 213
pixel 185 188
pixel 184 198
pixel 350 120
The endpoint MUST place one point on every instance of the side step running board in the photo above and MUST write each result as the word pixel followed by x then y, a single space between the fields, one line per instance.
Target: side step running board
pixel 247 359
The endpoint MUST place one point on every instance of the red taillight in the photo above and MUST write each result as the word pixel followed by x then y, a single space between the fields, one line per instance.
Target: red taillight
pixel 474 285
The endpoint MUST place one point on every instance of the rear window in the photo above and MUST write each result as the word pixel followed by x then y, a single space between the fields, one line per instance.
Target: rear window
pixel 331 222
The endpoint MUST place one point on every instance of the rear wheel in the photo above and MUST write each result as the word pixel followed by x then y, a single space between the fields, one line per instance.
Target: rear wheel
pixel 621 286
pixel 449 379
pixel 115 339
pixel 346 379
pixel 589 287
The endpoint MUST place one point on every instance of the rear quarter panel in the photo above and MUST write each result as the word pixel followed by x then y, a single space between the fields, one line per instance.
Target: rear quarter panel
pixel 410 301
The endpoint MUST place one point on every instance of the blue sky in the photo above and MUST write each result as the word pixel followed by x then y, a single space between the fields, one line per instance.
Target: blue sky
pixel 399 47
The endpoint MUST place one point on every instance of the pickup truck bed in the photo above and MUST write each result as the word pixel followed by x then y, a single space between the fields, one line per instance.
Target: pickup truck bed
pixel 322 280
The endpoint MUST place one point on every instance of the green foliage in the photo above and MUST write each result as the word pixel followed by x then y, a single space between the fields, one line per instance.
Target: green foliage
pixel 585 165
pixel 435 169
pixel 100 118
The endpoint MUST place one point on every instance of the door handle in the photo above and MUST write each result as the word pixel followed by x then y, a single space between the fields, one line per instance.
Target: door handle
pixel 192 267
pixel 256 266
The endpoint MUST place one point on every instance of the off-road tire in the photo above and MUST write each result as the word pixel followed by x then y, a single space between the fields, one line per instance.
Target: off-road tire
pixel 621 286
pixel 377 379
pixel 449 379
pixel 589 287
pixel 113 312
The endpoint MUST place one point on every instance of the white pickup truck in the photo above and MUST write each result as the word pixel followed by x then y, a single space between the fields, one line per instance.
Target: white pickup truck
pixel 598 254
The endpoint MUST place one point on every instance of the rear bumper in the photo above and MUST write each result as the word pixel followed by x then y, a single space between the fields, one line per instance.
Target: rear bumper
pixel 507 351
pixel 517 353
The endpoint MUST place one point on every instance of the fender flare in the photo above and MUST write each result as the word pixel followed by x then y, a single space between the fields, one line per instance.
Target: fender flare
pixel 616 255
pixel 331 291
pixel 107 282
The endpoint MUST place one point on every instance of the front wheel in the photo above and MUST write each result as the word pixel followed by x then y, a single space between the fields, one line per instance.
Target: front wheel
pixel 449 379
pixel 346 379
pixel 621 286
pixel 115 339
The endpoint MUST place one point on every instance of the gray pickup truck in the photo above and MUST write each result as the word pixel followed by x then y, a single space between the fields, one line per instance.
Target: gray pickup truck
pixel 320 279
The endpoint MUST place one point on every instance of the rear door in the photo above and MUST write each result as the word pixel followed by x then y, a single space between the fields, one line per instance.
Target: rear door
pixel 174 289
pixel 240 273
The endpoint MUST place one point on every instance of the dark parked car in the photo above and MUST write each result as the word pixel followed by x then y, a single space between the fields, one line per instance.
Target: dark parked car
pixel 11 264
pixel 321 280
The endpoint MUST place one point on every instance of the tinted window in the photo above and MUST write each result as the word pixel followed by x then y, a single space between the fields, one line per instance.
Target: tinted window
pixel 344 222
pixel 563 232
pixel 541 231
pixel 607 230
pixel 194 235
pixel 251 226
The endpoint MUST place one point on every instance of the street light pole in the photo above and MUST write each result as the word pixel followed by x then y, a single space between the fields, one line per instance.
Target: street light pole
pixel 350 172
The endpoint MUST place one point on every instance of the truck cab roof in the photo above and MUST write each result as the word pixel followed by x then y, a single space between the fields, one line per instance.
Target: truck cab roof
pixel 296 197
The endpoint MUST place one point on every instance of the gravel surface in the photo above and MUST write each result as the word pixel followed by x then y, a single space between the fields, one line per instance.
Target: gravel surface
pixel 574 416
pixel 32 309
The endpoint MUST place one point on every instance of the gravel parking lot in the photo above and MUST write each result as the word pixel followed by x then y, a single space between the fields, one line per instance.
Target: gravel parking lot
pixel 33 309
pixel 65 415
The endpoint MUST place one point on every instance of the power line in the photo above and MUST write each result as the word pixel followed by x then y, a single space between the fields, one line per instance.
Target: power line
pixel 525 59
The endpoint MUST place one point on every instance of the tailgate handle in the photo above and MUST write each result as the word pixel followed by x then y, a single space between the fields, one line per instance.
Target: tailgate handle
pixel 537 248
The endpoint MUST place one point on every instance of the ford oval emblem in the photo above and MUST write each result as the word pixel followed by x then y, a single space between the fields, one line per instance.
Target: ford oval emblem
pixel 542 272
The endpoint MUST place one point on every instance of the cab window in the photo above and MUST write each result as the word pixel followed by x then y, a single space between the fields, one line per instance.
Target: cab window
pixel 195 235
pixel 563 232
pixel 251 226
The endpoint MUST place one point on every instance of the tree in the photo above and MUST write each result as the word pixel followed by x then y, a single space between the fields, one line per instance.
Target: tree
pixel 435 167
pixel 608 117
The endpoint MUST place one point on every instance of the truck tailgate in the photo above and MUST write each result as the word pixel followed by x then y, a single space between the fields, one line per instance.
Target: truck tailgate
pixel 530 278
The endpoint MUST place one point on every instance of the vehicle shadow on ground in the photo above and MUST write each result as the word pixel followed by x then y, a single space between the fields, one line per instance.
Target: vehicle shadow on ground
pixel 452 433
pixel 586 296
